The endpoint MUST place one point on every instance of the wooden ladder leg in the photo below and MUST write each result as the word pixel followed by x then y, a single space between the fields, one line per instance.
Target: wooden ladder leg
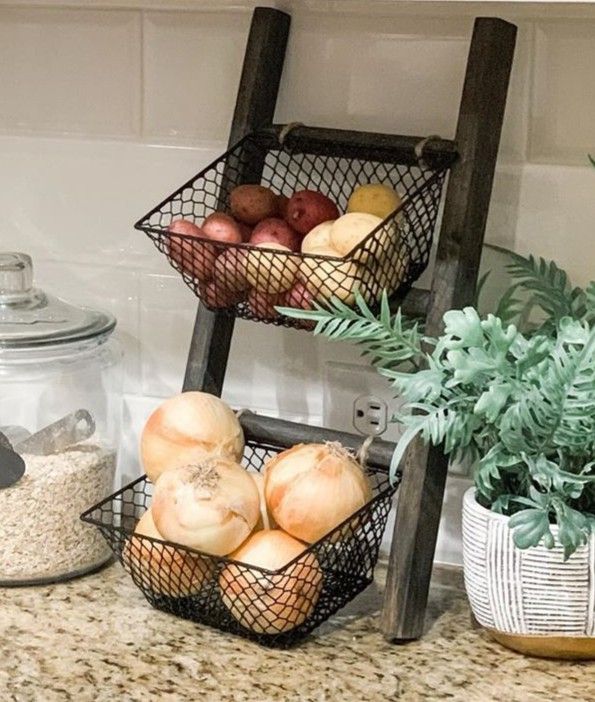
pixel 255 107
pixel 454 282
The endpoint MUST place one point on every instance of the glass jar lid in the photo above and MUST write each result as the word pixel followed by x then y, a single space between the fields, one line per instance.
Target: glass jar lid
pixel 30 317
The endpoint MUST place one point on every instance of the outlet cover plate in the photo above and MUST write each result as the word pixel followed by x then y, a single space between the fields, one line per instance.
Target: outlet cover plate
pixel 344 383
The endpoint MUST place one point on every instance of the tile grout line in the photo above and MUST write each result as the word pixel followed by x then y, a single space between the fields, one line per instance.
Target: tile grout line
pixel 142 96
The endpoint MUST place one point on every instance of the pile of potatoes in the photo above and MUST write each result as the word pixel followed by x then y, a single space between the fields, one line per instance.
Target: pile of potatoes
pixel 263 273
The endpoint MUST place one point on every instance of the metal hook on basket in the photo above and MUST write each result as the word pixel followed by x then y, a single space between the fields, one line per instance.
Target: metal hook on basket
pixel 284 133
pixel 420 146
pixel 362 454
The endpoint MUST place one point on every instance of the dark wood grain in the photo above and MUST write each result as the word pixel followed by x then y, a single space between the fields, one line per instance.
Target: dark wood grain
pixel 455 277
pixel 255 108
pixel 368 146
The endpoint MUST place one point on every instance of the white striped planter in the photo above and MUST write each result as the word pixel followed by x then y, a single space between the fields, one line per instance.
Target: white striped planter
pixel 531 594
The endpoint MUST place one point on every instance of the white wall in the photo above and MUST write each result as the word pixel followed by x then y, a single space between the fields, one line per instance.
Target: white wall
pixel 104 111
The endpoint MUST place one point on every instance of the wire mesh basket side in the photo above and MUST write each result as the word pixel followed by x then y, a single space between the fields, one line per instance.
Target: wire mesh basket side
pixel 275 608
pixel 250 283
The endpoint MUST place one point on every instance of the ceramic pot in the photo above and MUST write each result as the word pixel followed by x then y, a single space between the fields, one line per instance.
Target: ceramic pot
pixel 529 600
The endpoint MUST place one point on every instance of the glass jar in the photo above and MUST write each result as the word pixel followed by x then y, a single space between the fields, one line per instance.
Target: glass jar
pixel 60 372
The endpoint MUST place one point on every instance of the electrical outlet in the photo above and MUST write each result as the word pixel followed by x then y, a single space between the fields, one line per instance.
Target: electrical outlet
pixel 350 389
pixel 370 415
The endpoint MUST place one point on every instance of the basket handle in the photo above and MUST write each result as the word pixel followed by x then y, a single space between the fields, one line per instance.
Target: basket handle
pixel 421 145
pixel 284 133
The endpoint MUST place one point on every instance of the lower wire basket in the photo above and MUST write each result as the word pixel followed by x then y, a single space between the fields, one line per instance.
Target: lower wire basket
pixel 275 608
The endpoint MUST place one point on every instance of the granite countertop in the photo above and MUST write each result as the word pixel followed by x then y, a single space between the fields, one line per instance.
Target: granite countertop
pixel 96 639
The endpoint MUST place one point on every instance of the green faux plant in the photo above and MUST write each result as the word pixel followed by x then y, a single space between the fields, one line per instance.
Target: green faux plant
pixel 514 392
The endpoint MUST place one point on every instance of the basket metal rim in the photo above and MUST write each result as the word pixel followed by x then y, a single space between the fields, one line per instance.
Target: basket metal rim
pixel 141 226
pixel 350 256
pixel 387 491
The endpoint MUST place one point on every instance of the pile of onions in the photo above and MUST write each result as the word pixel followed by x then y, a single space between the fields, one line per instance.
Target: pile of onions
pixel 311 488
pixel 164 569
pixel 206 501
pixel 211 505
pixel 187 428
pixel 271 603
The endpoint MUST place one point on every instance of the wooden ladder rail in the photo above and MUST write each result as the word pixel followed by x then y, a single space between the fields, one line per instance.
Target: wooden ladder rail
pixel 454 283
pixel 255 108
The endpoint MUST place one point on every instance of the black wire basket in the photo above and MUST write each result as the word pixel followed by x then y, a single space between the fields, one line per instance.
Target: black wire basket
pixel 275 608
pixel 242 280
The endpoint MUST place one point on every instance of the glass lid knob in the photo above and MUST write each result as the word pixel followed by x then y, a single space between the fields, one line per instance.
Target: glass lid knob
pixel 16 274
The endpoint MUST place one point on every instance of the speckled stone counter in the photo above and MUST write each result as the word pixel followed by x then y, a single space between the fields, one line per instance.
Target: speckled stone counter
pixel 96 639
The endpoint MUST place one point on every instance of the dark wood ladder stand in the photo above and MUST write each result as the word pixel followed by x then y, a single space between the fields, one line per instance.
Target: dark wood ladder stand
pixel 453 285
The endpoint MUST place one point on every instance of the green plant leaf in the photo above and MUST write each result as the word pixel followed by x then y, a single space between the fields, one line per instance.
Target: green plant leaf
pixel 574 528
pixel 530 527
pixel 462 329
pixel 492 401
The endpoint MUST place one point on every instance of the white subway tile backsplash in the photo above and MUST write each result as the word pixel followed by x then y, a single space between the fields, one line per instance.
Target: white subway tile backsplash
pixel 192 66
pixel 70 71
pixel 556 215
pixel 71 200
pixel 167 311
pixel 562 128
pixel 399 75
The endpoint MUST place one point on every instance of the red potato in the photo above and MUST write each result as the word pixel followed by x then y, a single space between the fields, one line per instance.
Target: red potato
pixel 253 203
pixel 221 227
pixel 185 227
pixel 300 298
pixel 282 202
pixel 230 270
pixel 307 209
pixel 245 231
pixel 217 296
pixel 194 258
pixel 262 305
pixel 275 231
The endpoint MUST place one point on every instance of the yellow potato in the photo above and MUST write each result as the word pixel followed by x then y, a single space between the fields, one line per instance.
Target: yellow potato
pixel 317 237
pixel 351 229
pixel 325 279
pixel 375 199
pixel 268 271
pixel 388 276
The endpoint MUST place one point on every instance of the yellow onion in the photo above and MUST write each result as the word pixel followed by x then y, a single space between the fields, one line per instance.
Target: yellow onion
pixel 186 428
pixel 311 488
pixel 162 568
pixel 271 271
pixel 211 506
pixel 326 278
pixel 266 520
pixel 276 602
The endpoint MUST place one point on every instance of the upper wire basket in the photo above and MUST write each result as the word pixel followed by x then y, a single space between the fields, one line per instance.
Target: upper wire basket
pixel 391 257
pixel 275 608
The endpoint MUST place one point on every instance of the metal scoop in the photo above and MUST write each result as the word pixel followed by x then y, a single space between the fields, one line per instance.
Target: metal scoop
pixel 54 438
pixel 58 436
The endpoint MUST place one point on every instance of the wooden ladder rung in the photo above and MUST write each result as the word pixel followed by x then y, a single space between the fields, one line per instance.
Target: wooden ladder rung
pixel 285 434
pixel 369 146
